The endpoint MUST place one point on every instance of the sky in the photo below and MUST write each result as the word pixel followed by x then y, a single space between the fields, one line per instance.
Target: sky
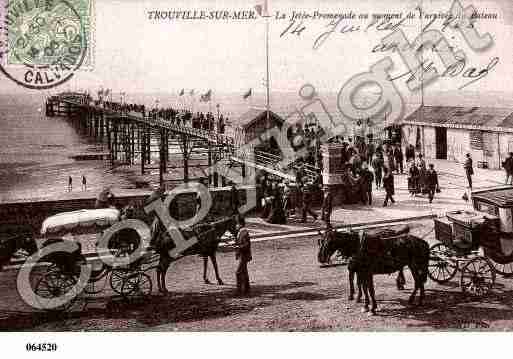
pixel 135 54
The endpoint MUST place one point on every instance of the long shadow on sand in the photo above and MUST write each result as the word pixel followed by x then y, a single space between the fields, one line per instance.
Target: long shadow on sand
pixel 449 310
pixel 171 308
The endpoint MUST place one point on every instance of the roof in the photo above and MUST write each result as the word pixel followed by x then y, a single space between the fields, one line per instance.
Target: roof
pixel 255 114
pixel 501 197
pixel 482 118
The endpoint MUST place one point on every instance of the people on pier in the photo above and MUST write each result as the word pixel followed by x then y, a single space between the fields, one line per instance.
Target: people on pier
pixel 200 120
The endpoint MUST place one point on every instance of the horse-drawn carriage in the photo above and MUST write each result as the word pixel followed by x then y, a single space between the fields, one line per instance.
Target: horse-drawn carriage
pixel 477 243
pixel 64 265
pixel 124 261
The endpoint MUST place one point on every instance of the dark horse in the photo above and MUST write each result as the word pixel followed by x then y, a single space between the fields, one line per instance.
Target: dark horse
pixel 11 243
pixel 382 252
pixel 208 235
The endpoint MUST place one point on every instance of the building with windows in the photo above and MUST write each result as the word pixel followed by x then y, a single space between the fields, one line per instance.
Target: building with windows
pixel 449 132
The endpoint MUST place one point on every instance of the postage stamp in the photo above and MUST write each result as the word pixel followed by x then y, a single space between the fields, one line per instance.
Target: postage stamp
pixel 44 43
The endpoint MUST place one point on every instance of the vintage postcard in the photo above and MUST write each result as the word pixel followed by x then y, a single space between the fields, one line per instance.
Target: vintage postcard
pixel 264 165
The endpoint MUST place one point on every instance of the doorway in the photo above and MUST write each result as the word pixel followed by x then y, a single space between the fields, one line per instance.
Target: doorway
pixel 441 143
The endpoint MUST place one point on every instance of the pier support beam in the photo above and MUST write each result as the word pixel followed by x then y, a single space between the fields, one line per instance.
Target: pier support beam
pixel 142 147
pixel 108 129
pixel 185 152
pixel 162 157
pixel 148 145
pixel 209 164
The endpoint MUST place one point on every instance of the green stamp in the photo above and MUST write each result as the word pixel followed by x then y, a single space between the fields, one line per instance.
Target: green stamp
pixel 44 42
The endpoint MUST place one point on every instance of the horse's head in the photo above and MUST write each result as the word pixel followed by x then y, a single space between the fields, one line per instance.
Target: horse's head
pixel 331 241
pixel 27 243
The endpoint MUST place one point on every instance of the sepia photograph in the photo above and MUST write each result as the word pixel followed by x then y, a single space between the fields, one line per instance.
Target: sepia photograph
pixel 335 166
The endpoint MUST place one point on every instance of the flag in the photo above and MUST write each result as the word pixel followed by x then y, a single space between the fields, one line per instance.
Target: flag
pixel 206 97
pixel 247 94
pixel 181 92
pixel 262 9
pixel 191 93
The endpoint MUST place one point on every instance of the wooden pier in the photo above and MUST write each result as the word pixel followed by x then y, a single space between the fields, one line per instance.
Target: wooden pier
pixel 129 136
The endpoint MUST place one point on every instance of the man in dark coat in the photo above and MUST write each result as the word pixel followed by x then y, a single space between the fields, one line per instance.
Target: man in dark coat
pixel 508 167
pixel 413 179
pixel 410 153
pixel 469 169
pixel 388 184
pixel 431 182
pixel 234 199
pixel 371 149
pixel 243 255
pixel 277 214
pixel 398 156
pixel 307 190
pixel 300 174
pixel 366 182
pixel 327 205
pixel 377 164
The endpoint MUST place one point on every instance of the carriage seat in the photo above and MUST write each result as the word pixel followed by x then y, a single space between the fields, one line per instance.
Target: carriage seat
pixel 387 232
pixel 375 242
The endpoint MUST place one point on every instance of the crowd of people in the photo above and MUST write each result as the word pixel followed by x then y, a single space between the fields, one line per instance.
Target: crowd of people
pixel 200 120
pixel 367 167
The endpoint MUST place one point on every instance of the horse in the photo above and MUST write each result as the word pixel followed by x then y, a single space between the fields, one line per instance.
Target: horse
pixel 208 235
pixel 377 254
pixel 13 243
pixel 336 242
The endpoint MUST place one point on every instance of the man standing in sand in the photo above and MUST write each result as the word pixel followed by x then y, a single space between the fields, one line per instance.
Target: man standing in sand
pixel 70 184
pixel 243 255
pixel 84 183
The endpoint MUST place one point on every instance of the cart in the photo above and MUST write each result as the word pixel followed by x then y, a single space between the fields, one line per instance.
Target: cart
pixel 63 270
pixel 476 243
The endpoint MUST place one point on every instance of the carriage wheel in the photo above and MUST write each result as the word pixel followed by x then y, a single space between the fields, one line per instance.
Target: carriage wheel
pixel 477 277
pixel 442 268
pixel 138 284
pixel 54 285
pixel 503 269
pixel 117 278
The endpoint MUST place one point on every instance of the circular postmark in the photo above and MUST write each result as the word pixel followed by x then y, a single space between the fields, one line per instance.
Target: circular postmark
pixel 43 43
